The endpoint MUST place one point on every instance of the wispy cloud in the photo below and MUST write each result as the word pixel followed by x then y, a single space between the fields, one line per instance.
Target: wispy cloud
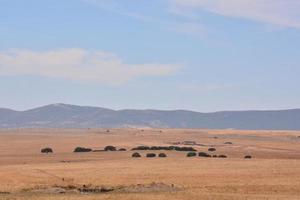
pixel 276 12
pixel 182 27
pixel 114 7
pixel 79 64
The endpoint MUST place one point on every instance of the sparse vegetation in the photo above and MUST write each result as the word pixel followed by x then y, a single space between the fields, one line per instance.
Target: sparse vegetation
pixel 248 157
pixel 150 155
pixel 203 154
pixel 46 150
pixel 211 149
pixel 122 149
pixel 227 142
pixel 185 149
pixel 160 148
pixel 191 154
pixel 162 155
pixel 136 155
pixel 140 148
pixel 222 156
pixel 82 150
pixel 110 148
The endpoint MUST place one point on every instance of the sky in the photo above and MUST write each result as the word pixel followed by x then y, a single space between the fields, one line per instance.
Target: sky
pixel 201 55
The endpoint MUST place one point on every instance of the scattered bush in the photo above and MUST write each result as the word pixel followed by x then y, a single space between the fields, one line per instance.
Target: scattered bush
pixel 165 148
pixel 185 149
pixel 203 154
pixel 110 148
pixel 82 149
pixel 214 156
pixel 46 150
pixel 162 155
pixel 211 149
pixel 248 157
pixel 222 156
pixel 151 155
pixel 143 148
pixel 191 154
pixel 122 149
pixel 136 155
pixel 228 143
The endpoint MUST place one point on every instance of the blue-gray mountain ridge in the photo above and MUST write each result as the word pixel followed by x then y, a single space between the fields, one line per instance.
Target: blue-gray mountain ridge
pixel 71 116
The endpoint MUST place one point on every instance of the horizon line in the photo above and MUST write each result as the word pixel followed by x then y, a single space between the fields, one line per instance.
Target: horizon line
pixel 147 109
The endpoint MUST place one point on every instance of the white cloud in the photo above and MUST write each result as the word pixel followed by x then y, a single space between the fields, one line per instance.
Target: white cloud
pixel 284 13
pixel 78 64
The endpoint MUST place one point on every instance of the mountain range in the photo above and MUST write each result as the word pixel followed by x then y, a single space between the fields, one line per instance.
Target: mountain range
pixel 71 116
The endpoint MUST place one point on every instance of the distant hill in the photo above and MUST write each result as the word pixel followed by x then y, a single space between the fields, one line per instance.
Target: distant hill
pixel 71 116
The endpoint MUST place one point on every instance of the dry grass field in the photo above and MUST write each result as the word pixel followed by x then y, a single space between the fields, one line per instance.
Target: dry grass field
pixel 273 173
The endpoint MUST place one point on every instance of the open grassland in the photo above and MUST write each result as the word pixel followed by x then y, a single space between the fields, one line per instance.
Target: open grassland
pixel 272 173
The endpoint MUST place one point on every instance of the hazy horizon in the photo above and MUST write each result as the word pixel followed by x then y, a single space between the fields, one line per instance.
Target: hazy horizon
pixel 120 109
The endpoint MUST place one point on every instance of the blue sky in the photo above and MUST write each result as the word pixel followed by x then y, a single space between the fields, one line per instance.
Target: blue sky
pixel 202 55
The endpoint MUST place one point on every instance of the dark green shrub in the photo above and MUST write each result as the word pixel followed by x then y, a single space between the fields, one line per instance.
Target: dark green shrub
pixel 151 155
pixel 162 155
pixel 110 148
pixel 136 155
pixel 228 143
pixel 46 150
pixel 82 149
pixel 141 148
pixel 203 154
pixel 191 154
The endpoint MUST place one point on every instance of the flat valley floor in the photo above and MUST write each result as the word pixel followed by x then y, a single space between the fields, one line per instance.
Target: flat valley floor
pixel 273 173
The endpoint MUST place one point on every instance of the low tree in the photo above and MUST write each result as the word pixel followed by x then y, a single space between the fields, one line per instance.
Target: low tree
pixel 141 148
pixel 46 150
pixel 162 155
pixel 151 155
pixel 211 149
pixel 191 154
pixel 110 148
pixel 203 154
pixel 136 155
pixel 228 143
pixel 82 149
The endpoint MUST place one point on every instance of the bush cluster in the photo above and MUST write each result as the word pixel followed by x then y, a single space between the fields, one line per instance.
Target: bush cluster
pixel 165 148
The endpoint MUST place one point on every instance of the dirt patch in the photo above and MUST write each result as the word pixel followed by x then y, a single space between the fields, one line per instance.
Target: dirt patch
pixel 91 189
pixel 144 188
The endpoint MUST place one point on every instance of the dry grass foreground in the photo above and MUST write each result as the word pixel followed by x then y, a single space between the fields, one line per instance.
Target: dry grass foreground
pixel 272 173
